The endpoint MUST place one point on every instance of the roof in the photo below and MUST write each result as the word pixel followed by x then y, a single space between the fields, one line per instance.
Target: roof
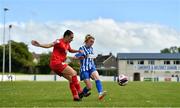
pixel 101 59
pixel 148 56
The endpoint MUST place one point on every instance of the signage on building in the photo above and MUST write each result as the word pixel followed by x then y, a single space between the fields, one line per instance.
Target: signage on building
pixel 158 67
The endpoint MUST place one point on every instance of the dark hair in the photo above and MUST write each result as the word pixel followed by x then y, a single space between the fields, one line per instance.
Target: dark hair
pixel 67 33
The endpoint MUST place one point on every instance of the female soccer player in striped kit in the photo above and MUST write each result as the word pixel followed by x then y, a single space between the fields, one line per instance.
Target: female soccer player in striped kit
pixel 88 68
pixel 58 57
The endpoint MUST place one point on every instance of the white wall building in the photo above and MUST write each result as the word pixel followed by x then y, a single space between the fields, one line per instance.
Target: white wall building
pixel 145 66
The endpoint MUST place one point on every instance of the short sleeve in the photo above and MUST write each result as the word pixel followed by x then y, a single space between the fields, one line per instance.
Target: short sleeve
pixel 56 41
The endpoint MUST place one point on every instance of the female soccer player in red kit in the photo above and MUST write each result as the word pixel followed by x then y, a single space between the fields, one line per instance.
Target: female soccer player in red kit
pixel 58 57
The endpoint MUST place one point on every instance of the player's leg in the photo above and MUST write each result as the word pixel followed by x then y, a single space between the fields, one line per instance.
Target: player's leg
pixel 68 76
pixel 87 88
pixel 67 72
pixel 71 75
pixel 85 76
pixel 95 76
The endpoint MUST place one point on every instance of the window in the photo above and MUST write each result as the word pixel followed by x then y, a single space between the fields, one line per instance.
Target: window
pixel 130 62
pixel 152 62
pixel 167 62
pixel 141 62
pixel 177 72
pixel 146 71
pixel 177 62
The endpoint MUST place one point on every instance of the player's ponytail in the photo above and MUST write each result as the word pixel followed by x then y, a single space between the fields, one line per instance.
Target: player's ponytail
pixel 88 36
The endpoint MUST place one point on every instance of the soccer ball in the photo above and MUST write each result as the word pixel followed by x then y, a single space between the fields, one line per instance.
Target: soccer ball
pixel 122 80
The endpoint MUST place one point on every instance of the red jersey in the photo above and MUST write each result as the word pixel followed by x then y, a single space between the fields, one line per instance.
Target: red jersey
pixel 60 51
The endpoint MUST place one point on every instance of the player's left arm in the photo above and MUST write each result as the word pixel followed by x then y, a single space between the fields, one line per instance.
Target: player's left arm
pixel 74 51
pixel 80 55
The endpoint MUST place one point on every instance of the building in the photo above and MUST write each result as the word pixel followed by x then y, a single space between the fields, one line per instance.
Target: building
pixel 106 61
pixel 106 64
pixel 142 66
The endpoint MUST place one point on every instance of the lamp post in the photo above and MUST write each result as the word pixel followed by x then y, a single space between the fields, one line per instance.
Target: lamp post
pixel 4 32
pixel 10 26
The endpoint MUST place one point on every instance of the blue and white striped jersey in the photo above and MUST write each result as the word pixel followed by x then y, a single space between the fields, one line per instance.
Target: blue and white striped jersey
pixel 87 63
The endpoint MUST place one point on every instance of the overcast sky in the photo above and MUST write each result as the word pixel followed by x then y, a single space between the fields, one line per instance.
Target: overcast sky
pixel 117 25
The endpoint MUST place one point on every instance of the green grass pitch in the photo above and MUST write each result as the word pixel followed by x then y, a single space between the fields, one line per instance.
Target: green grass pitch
pixel 57 94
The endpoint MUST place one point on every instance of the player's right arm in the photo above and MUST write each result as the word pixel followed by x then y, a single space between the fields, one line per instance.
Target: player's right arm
pixel 37 44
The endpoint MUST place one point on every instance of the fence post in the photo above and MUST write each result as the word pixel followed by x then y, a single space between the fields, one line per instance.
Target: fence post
pixel 55 77
pixel 34 77
pixel 177 79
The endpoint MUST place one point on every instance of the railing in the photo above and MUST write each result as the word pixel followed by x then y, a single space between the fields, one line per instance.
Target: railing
pixel 44 78
pixel 58 78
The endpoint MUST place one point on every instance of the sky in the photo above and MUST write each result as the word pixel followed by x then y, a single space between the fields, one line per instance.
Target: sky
pixel 117 25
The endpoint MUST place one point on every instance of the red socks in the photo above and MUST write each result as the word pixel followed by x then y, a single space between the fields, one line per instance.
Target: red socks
pixel 75 87
pixel 73 90
pixel 76 84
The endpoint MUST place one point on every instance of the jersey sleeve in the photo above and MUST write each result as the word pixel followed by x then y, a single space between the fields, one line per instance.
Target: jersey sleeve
pixel 56 42
pixel 79 54
pixel 59 44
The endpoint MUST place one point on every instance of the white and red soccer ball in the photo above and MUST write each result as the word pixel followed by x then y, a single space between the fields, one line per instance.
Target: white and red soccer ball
pixel 122 80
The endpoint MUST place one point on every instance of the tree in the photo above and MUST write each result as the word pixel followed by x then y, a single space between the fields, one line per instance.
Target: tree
pixel 173 49
pixel 179 49
pixel 75 64
pixel 166 50
pixel 22 59
pixel 43 65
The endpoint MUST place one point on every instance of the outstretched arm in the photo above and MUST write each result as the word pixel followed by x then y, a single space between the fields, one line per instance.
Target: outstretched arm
pixel 79 56
pixel 75 51
pixel 37 44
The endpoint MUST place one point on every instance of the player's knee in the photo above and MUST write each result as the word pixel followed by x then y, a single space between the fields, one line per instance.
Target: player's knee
pixel 89 86
pixel 96 78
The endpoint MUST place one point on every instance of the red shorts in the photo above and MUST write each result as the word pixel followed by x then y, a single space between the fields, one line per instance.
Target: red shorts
pixel 58 67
